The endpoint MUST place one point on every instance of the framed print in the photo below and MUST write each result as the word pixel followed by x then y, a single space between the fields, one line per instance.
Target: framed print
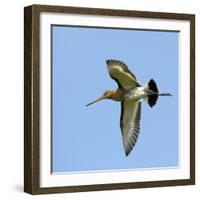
pixel 139 67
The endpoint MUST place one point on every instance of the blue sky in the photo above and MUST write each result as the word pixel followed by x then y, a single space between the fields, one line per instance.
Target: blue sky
pixel 89 138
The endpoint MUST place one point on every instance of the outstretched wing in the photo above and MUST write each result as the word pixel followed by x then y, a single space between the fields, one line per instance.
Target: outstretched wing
pixel 130 124
pixel 121 74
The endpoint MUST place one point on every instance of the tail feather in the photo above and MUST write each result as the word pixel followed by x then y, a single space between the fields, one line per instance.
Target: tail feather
pixel 152 99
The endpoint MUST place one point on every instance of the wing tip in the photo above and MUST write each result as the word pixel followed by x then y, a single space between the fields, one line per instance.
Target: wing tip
pixel 128 151
pixel 115 61
pixel 128 148
pixel 107 61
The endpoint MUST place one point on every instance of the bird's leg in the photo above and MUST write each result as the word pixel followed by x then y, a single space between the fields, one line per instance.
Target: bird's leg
pixel 164 94
pixel 150 92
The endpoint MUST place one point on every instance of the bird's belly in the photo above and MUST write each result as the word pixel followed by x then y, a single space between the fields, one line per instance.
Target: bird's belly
pixel 135 94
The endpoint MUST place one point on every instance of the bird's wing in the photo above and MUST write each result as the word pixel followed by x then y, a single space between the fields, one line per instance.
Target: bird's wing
pixel 121 74
pixel 130 123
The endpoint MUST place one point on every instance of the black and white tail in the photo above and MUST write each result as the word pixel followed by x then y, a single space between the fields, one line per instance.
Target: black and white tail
pixel 154 93
pixel 152 99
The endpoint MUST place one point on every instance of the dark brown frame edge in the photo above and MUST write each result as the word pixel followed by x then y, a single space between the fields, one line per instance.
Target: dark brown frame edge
pixel 32 93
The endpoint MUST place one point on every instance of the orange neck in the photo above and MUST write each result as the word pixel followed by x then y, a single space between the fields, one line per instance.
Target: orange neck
pixel 117 95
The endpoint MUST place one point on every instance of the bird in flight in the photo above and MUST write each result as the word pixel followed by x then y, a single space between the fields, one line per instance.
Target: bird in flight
pixel 129 93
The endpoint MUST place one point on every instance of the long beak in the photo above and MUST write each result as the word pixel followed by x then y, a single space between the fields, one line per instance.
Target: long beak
pixel 99 99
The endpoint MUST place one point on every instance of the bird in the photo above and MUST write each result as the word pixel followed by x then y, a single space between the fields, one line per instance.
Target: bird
pixel 130 93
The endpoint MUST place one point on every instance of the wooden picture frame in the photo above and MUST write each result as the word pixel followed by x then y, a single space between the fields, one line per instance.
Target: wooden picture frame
pixel 32 92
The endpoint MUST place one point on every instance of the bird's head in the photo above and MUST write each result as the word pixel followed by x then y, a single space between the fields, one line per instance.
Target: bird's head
pixel 108 94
